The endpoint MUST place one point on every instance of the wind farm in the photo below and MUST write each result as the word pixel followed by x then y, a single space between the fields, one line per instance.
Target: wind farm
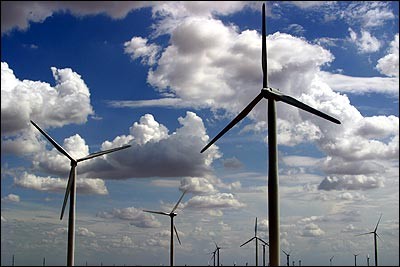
pixel 158 82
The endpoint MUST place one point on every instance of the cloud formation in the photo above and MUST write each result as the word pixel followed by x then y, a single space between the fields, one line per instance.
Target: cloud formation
pixel 389 64
pixel 135 217
pixel 50 184
pixel 67 102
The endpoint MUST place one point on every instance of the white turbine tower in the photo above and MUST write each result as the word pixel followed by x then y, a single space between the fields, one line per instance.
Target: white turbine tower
pixel 256 238
pixel 375 241
pixel 172 214
pixel 71 189
pixel 273 95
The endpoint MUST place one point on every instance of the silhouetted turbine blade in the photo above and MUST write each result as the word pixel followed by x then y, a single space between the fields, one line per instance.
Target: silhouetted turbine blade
pixel 157 212
pixel 247 242
pixel 285 252
pixel 177 203
pixel 291 101
pixel 55 144
pixel 365 234
pixel 255 228
pixel 264 49
pixel 67 190
pixel 100 153
pixel 176 232
pixel 266 243
pixel 235 120
pixel 378 223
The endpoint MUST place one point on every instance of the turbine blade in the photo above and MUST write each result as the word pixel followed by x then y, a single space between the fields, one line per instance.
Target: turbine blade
pixel 179 201
pixel 266 243
pixel 379 237
pixel 378 223
pixel 264 49
pixel 284 252
pixel 157 212
pixel 176 232
pixel 67 190
pixel 100 153
pixel 294 102
pixel 55 144
pixel 247 242
pixel 255 228
pixel 238 118
pixel 365 233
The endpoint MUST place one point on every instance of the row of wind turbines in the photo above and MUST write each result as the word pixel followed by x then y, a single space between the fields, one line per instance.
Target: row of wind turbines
pixel 272 95
pixel 256 239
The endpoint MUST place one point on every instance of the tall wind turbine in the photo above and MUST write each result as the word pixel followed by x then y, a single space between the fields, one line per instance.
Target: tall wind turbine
pixel 172 214
pixel 273 95
pixel 71 189
pixel 355 259
pixel 256 238
pixel 375 241
pixel 287 257
pixel 330 260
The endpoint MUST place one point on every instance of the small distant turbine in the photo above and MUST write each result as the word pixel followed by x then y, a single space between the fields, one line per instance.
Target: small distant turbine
pixel 212 257
pixel 355 259
pixel 71 189
pixel 299 262
pixel 287 257
pixel 330 260
pixel 217 249
pixel 172 214
pixel 367 259
pixel 263 245
pixel 375 241
pixel 256 238
pixel 272 95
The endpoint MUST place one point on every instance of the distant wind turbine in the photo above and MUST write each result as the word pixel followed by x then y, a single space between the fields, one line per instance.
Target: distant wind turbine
pixel 367 259
pixel 273 95
pixel 256 238
pixel 375 241
pixel 172 214
pixel 263 245
pixel 71 189
pixel 287 257
pixel 330 260
pixel 355 259
pixel 212 257
pixel 299 262
pixel 217 249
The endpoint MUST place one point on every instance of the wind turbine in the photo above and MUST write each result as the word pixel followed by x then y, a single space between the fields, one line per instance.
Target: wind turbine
pixel 287 257
pixel 330 260
pixel 71 189
pixel 212 257
pixel 355 259
pixel 255 237
pixel 273 95
pixel 263 245
pixel 172 214
pixel 375 241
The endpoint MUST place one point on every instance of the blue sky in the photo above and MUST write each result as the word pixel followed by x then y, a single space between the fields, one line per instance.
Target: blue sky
pixel 166 77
